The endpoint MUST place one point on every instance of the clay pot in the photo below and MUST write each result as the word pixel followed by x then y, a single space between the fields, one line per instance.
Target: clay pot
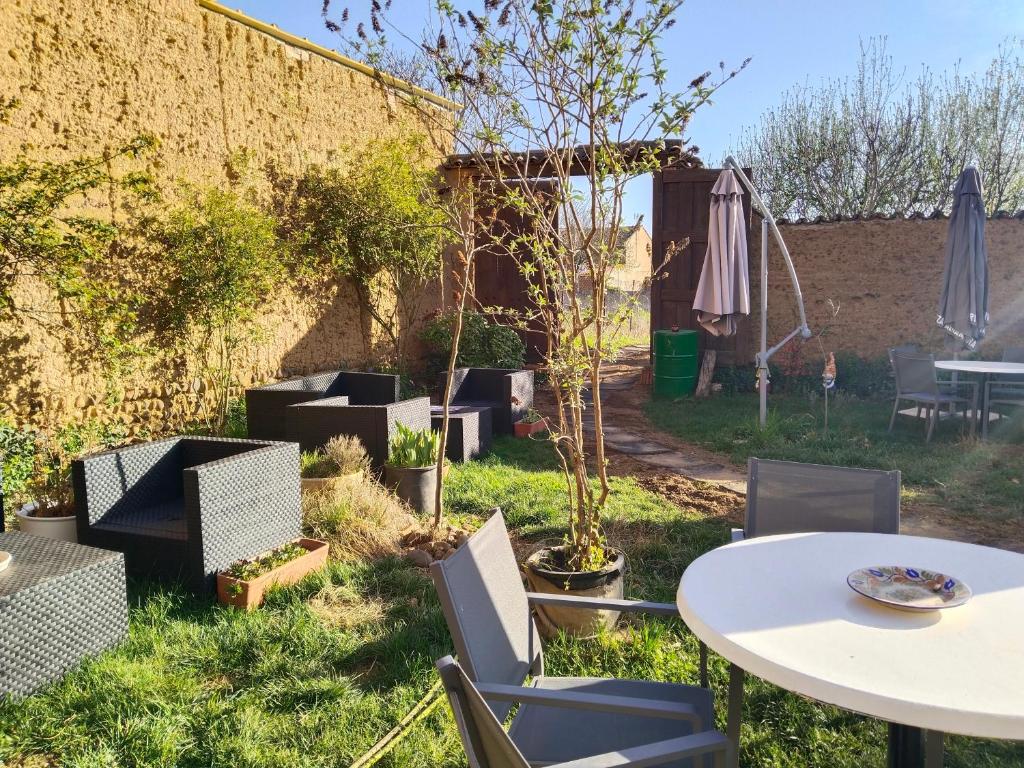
pixel 62 528
pixel 607 583
pixel 527 428
pixel 414 485
pixel 249 594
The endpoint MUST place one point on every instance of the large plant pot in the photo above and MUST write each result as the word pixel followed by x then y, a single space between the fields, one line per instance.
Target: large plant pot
pixel 414 485
pixel 63 528
pixel 249 594
pixel 607 583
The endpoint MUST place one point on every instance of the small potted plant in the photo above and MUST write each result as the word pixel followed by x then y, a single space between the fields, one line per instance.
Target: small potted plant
pixel 51 513
pixel 341 459
pixel 530 424
pixel 411 471
pixel 245 583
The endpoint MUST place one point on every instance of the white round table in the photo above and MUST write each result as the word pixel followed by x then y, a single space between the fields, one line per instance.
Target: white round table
pixel 779 607
pixel 987 369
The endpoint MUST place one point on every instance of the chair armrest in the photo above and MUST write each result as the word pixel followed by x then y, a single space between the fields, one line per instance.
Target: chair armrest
pixel 459 377
pixel 658 753
pixel 603 604
pixel 595 702
pixel 1016 386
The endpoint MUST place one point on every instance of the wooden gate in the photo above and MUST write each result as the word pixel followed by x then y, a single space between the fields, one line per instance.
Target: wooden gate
pixel 681 202
pixel 497 279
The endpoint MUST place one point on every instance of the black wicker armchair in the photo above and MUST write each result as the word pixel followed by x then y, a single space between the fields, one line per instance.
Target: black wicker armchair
pixel 507 392
pixel 265 406
pixel 187 507
pixel 312 424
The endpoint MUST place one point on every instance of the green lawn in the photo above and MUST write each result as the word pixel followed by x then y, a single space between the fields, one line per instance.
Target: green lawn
pixel 327 667
pixel 960 474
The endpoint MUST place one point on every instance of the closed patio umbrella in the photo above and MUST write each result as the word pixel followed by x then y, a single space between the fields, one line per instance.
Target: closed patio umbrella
pixel 723 293
pixel 963 307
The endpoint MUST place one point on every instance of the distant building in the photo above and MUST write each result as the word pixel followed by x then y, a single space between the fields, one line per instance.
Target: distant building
pixel 633 267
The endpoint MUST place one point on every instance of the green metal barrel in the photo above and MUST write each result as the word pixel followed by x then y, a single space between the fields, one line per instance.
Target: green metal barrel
pixel 675 363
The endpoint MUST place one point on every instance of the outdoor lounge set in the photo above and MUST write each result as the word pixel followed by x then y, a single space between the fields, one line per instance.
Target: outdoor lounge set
pixel 183 509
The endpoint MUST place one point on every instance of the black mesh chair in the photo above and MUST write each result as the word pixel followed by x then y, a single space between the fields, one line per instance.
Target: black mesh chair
pixel 265 406
pixel 488 745
pixel 916 383
pixel 1006 390
pixel 507 392
pixel 313 423
pixel 559 719
pixel 188 507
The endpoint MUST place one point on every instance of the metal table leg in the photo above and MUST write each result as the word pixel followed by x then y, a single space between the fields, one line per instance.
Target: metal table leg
pixel 735 716
pixel 911 747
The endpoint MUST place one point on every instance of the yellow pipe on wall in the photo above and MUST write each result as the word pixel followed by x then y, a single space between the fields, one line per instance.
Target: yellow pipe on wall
pixel 327 53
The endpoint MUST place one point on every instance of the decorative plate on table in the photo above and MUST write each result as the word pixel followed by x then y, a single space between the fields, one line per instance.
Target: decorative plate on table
pixel 5 559
pixel 912 589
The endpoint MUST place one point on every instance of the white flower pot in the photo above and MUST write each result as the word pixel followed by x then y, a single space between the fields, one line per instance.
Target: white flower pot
pixel 60 528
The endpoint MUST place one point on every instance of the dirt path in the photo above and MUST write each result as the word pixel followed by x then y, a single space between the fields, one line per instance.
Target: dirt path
pixel 695 477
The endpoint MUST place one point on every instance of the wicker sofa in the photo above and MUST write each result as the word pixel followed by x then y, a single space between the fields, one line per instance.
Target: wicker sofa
pixel 187 507
pixel 313 423
pixel 265 406
pixel 507 392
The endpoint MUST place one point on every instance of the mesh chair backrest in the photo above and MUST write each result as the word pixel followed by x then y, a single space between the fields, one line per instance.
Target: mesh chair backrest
pixel 485 606
pixel 1013 355
pixel 787 497
pixel 914 373
pixel 486 743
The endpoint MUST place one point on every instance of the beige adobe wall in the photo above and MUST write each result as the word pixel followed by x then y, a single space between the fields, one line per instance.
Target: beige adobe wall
pixel 886 277
pixel 636 265
pixel 91 74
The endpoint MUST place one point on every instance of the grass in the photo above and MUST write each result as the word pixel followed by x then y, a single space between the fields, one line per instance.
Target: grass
pixel 331 664
pixel 957 473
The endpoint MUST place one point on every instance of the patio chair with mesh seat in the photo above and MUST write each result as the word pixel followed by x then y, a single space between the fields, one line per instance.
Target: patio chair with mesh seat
pixel 791 497
pixel 1003 390
pixel 488 745
pixel 560 719
pixel 916 383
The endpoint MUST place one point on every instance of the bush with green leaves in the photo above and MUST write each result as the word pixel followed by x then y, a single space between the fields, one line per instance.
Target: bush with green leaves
pixel 413 447
pixel 379 223
pixel 224 264
pixel 483 344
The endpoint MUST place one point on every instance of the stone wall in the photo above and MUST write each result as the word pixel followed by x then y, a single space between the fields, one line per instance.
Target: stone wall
pixel 91 75
pixel 885 275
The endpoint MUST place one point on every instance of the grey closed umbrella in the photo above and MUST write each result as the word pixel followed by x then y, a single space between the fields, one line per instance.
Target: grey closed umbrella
pixel 963 307
pixel 723 293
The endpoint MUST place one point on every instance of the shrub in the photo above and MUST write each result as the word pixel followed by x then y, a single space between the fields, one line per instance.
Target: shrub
pixel 484 344
pixel 343 455
pixel 359 519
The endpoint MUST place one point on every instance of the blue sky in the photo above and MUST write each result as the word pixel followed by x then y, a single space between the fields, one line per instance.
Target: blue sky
pixel 791 42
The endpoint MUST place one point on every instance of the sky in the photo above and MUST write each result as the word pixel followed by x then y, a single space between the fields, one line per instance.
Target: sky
pixel 790 42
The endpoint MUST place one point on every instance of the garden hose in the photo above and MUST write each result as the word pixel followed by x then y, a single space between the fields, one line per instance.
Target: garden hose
pixel 423 707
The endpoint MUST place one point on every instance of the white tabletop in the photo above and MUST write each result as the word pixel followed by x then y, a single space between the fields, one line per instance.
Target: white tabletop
pixel 780 608
pixel 979 366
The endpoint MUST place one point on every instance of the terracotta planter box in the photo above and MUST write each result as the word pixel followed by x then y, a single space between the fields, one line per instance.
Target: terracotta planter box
pixel 311 484
pixel 251 594
pixel 527 428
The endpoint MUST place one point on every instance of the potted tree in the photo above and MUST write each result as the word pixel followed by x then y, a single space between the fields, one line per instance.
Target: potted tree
pixel 343 458
pixel 51 513
pixel 411 470
pixel 574 93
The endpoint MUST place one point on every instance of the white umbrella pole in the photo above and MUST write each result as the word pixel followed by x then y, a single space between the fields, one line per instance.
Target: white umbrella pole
pixel 762 359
